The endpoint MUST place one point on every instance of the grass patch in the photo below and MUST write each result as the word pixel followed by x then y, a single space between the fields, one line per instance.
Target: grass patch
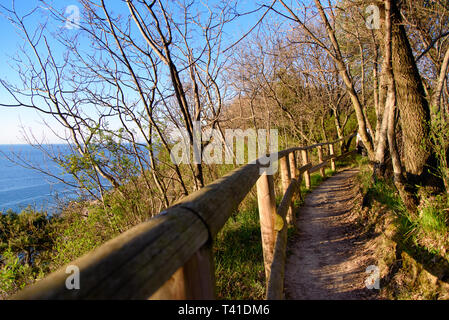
pixel 423 234
pixel 415 247
pixel 238 254
pixel 433 220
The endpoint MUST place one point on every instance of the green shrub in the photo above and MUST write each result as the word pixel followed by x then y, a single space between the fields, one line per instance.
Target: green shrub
pixel 433 220
pixel 15 274
pixel 78 233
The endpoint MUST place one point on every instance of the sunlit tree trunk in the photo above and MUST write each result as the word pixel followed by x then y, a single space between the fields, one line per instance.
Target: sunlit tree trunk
pixel 411 100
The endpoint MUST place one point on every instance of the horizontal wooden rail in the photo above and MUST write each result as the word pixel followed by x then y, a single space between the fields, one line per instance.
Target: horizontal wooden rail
pixel 319 166
pixel 138 262
pixel 345 155
pixel 170 255
pixel 287 151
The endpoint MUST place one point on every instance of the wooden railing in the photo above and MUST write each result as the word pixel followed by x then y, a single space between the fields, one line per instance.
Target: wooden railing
pixel 170 255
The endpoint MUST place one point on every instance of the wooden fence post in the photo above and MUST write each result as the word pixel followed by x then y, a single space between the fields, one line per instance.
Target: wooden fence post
pixel 294 161
pixel 267 211
pixel 332 153
pixel 193 281
pixel 286 179
pixel 305 161
pixel 320 159
pixel 293 166
pixel 294 174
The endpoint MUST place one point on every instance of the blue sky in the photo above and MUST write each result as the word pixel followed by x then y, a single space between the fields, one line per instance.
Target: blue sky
pixel 14 120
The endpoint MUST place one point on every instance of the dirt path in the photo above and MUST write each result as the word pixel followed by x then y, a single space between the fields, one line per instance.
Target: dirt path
pixel 327 258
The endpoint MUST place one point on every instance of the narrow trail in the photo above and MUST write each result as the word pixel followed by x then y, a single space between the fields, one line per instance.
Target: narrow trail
pixel 327 258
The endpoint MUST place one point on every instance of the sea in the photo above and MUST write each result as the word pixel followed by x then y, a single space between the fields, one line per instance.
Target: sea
pixel 22 187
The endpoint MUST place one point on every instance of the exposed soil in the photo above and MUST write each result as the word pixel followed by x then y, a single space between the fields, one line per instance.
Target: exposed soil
pixel 328 258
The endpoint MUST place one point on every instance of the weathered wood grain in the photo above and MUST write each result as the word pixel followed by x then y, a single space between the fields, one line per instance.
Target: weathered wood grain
pixel 193 281
pixel 286 179
pixel 275 288
pixel 305 162
pixel 267 210
pixel 331 155
pixel 320 159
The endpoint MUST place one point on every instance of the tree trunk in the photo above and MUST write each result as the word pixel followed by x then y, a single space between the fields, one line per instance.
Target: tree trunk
pixel 411 100
pixel 389 118
pixel 436 99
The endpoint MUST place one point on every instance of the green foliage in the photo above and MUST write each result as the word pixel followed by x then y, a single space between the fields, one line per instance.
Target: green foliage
pixel 439 135
pixel 426 235
pixel 33 244
pixel 25 242
pixel 81 167
pixel 83 228
pixel 15 275
pixel 433 220
pixel 27 233
pixel 105 150
pixel 238 254
pixel 386 194
pixel 413 247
